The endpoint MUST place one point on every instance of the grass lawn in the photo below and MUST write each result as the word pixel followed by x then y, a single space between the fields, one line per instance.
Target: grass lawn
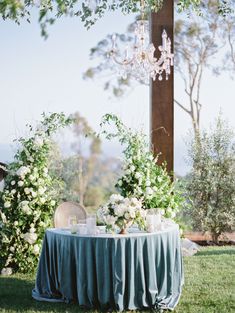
pixel 209 287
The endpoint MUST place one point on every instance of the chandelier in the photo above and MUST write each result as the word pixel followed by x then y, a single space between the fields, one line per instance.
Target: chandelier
pixel 138 60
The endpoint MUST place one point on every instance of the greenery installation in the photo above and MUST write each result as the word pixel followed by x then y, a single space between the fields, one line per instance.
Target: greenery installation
pixel 142 178
pixel 29 198
pixel 90 10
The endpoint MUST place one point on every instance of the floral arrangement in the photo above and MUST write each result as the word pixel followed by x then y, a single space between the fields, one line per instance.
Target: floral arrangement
pixel 29 198
pixel 122 213
pixel 142 178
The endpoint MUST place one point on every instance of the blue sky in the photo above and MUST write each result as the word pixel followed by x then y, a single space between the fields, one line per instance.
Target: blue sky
pixel 38 75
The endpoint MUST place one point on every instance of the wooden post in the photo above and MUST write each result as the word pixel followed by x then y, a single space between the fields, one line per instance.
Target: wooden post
pixel 162 92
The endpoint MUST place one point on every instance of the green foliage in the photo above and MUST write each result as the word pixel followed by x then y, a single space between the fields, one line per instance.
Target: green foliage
pixel 211 186
pixel 142 177
pixel 29 197
pixel 50 10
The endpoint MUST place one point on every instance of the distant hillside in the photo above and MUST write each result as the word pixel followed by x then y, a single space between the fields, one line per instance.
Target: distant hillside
pixel 110 149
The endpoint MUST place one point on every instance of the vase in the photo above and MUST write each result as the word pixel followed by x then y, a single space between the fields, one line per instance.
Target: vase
pixel 123 231
pixel 125 226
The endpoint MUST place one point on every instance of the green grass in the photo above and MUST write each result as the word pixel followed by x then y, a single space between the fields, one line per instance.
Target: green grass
pixel 209 287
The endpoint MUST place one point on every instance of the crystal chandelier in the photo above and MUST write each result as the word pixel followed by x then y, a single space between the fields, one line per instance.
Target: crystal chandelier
pixel 138 60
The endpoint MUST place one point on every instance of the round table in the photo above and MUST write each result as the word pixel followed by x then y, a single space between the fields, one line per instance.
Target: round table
pixel 122 272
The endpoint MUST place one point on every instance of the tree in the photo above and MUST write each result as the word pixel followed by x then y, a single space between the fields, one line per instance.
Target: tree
pixel 211 185
pixel 197 40
pixel 89 11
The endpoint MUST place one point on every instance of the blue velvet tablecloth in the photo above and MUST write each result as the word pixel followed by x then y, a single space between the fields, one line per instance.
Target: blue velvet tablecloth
pixel 120 272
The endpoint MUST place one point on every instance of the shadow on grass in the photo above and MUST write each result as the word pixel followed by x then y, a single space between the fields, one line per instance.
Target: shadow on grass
pixel 230 251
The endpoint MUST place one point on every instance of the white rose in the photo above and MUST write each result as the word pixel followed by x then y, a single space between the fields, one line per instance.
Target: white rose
pixel 16 223
pixel 13 191
pixel 53 203
pixel 22 171
pixel 116 198
pixel 120 183
pixel 7 204
pixel 36 249
pixel 13 183
pixel 30 238
pixel 20 183
pixel 12 249
pixel 32 177
pixel 6 271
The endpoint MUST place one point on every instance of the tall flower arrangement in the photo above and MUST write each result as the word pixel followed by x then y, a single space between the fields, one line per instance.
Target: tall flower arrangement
pixel 29 197
pixel 142 178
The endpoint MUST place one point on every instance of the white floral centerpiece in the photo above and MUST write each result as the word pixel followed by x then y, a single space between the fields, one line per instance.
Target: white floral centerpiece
pixel 29 198
pixel 120 212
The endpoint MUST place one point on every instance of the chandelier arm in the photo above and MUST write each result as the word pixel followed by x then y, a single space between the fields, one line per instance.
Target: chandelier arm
pixel 122 62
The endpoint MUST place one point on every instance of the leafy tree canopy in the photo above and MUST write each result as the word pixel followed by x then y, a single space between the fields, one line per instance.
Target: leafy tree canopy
pixel 90 11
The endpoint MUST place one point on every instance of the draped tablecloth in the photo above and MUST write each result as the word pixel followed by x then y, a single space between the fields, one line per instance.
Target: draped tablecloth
pixel 134 271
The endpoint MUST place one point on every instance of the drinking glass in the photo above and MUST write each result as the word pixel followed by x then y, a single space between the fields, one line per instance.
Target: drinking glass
pixel 82 227
pixel 91 224
pixel 72 222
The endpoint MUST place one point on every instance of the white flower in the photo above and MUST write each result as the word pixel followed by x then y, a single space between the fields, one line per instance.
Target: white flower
pixel 148 183
pixel 149 191
pixel 120 183
pixel 13 183
pixel 30 238
pixel 41 190
pixel 38 141
pixel 6 271
pixel 3 217
pixel 138 175
pixel 31 177
pixel 24 205
pixel 41 224
pixel 7 204
pixel 26 191
pixel 22 171
pixel 42 200
pixel 53 203
pixel 45 170
pixel 119 210
pixel 132 212
pixel 20 183
pixel 127 216
pixel 110 220
pixel 32 230
pixel 13 191
pixel 12 249
pixel 16 223
pixel 132 168
pixel 128 172
pixel 36 249
pixel 116 198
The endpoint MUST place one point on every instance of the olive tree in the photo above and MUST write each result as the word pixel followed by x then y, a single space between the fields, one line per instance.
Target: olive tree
pixel 211 184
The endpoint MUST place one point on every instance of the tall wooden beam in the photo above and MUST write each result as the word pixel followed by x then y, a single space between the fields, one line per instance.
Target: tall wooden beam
pixel 162 92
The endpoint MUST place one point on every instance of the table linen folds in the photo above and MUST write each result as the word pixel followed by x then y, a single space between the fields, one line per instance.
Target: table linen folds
pixel 134 271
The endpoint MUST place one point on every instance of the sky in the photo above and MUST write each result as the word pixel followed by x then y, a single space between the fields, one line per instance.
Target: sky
pixel 38 75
